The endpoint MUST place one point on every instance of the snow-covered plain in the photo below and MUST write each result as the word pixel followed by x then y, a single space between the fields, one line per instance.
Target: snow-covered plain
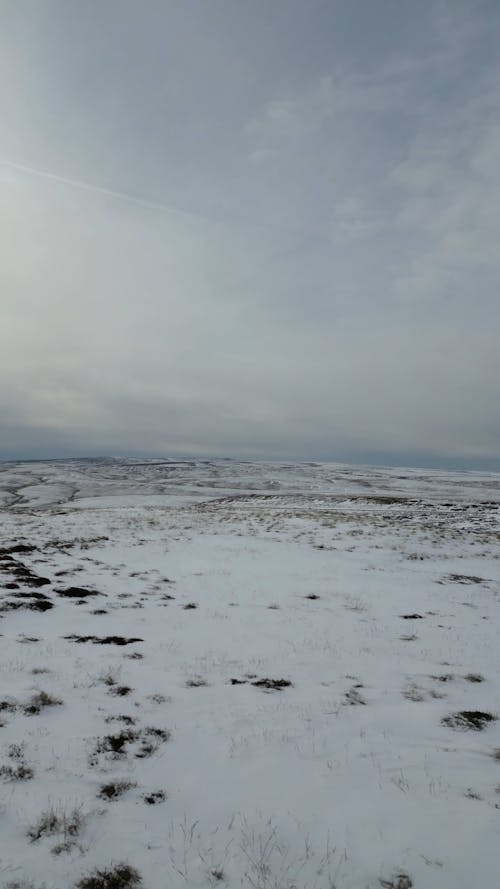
pixel 375 593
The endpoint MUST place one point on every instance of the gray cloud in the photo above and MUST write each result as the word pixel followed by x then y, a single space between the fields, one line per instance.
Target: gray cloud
pixel 261 229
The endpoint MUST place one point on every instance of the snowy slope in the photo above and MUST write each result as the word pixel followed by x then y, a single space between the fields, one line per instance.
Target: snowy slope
pixel 374 593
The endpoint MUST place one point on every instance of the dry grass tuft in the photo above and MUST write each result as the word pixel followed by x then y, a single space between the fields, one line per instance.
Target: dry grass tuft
pixel 118 876
pixel 21 772
pixel 155 797
pixel 39 701
pixel 399 881
pixel 196 682
pixel 54 821
pixel 115 789
pixel 476 720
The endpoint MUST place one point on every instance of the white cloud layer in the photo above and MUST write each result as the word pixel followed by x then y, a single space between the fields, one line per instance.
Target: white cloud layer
pixel 263 229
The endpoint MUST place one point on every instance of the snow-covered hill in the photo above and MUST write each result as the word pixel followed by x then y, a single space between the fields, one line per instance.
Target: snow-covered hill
pixel 241 674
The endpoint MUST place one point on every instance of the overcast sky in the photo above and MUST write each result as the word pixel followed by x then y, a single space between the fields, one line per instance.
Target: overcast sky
pixel 267 228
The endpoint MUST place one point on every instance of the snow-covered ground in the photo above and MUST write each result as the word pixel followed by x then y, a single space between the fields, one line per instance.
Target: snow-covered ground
pixel 308 637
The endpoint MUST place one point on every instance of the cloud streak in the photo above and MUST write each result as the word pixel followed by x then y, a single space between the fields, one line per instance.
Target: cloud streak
pixel 98 189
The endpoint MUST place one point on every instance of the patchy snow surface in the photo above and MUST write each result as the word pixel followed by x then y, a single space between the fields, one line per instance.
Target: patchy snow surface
pixel 313 695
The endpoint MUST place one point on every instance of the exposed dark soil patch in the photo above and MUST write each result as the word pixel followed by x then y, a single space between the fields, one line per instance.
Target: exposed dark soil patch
pixel 40 596
pixel 115 789
pixel 353 697
pixel 384 500
pixel 116 744
pixel 7 706
pixel 120 690
pixel 16 548
pixel 472 794
pixel 29 604
pixel 476 720
pixel 104 640
pixel 23 574
pixel 272 684
pixel 444 677
pixel 151 738
pixel 35 580
pixel 413 693
pixel 40 605
pixel 196 682
pixel 146 741
pixel 76 592
pixel 465 578
pixel 21 772
pixel 399 881
pixel 119 876
pixel 157 796
pixel 127 720
pixel 39 701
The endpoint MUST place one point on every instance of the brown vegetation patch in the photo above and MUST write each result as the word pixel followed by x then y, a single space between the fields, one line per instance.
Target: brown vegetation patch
pixel 476 720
